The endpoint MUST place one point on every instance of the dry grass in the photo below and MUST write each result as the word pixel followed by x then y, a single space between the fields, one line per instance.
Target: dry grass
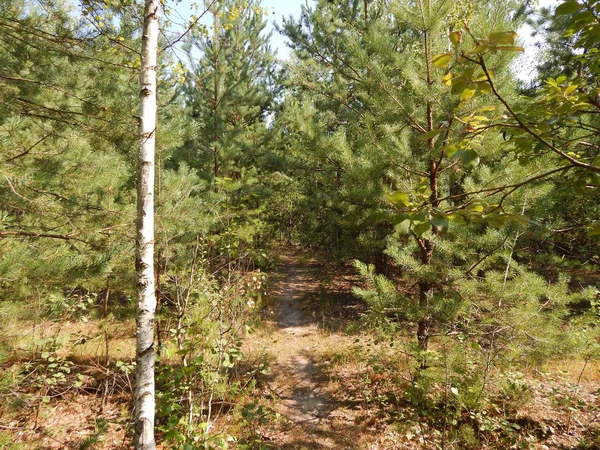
pixel 572 370
pixel 355 382
pixel 89 409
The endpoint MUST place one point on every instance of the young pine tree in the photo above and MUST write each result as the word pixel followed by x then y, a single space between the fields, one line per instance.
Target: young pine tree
pixel 374 114
pixel 230 91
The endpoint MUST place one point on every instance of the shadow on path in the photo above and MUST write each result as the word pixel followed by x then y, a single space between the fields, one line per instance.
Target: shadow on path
pixel 313 417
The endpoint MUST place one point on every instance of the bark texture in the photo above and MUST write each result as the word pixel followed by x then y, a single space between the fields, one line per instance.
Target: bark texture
pixel 146 298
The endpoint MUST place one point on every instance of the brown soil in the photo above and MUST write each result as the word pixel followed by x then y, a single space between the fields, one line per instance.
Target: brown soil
pixel 323 387
pixel 315 411
pixel 76 422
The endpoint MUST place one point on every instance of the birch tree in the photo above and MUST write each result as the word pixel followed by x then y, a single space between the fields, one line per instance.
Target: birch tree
pixel 146 299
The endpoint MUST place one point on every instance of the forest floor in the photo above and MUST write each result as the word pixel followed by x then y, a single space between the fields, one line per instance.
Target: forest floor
pixel 330 383
pixel 313 410
pixel 326 390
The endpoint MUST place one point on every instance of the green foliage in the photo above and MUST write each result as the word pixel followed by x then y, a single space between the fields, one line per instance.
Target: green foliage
pixel 70 306
pixel 558 117
pixel 361 109
pixel 202 323
pixel 513 320
pixel 65 195
pixel 453 232
pixel 100 428
pixel 253 416
pixel 397 137
pixel 229 92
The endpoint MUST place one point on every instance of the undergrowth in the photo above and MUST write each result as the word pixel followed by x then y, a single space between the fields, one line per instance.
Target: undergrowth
pixel 77 345
pixel 473 386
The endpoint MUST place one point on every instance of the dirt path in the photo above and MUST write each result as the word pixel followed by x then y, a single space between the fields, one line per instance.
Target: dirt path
pixel 314 415
pixel 318 411
pixel 305 403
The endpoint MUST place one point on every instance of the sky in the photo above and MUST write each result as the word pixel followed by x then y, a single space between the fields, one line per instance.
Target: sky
pixel 277 10
pixel 524 66
pixel 282 8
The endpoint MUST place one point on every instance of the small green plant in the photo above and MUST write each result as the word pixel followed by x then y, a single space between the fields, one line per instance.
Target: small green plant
pixel 49 374
pixel 201 371
pixel 514 392
pixel 100 428
pixel 71 306
pixel 57 368
pixel 127 367
pixel 253 416
pixel 7 442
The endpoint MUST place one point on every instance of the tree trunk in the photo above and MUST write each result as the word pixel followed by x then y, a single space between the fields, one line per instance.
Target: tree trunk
pixel 427 246
pixel 146 296
pixel 380 263
pixel 424 324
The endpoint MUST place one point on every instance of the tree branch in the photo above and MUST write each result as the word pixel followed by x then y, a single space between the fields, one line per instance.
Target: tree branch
pixel 529 130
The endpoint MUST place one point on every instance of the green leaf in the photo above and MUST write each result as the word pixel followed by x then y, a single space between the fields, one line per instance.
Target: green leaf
pixel 570 89
pixel 456 218
pixel 483 76
pixel 46 399
pixel 440 221
pixel 399 198
pixel 422 228
pixel 498 221
pixel 447 79
pixel 484 87
pixel 470 158
pixel 459 84
pixel 467 94
pixel 430 134
pixel 475 208
pixel 174 435
pixel 481 47
pixel 403 228
pixel 476 119
pixel 594 232
pixel 455 37
pixel 524 220
pixel 442 60
pixel 510 48
pixel 568 7
pixel 503 37
pixel 451 150
pixel 418 218
pixel 399 218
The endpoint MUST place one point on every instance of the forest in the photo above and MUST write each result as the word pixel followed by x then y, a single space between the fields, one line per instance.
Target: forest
pixel 387 240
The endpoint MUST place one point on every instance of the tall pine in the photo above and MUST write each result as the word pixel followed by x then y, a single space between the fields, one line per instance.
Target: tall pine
pixel 230 91
pixel 391 154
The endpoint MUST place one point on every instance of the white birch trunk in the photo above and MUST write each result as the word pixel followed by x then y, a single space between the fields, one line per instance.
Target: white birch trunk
pixel 146 299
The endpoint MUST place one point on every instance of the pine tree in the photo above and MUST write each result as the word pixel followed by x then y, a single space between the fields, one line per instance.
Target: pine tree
pixel 230 90
pixel 375 111
pixel 65 221
pixel 68 136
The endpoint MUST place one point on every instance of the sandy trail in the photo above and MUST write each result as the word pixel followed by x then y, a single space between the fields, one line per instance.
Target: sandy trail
pixel 303 399
pixel 313 417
